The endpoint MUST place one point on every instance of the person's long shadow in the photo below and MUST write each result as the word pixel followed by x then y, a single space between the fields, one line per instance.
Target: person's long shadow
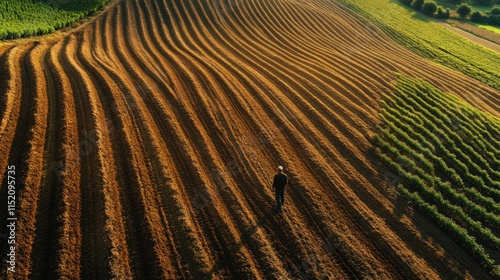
pixel 268 214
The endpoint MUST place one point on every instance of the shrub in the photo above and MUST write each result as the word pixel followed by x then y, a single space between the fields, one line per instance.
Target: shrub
pixel 476 16
pixel 464 10
pixel 483 2
pixel 442 13
pixel 417 4
pixel 495 10
pixel 429 8
pixel 494 19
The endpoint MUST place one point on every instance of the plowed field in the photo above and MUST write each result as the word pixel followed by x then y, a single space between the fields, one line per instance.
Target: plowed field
pixel 145 143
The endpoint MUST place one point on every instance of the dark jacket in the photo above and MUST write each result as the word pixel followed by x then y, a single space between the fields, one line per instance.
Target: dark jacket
pixel 280 181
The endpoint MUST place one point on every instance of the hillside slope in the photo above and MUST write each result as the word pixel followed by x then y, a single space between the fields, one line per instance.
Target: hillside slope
pixel 145 143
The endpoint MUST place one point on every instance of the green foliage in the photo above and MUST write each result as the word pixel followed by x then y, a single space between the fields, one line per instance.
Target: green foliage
pixel 494 20
pixel 406 2
pixel 417 4
pixel 464 10
pixel 495 10
pixel 24 18
pixel 448 154
pixel 476 16
pixel 483 2
pixel 431 40
pixel 442 13
pixel 429 8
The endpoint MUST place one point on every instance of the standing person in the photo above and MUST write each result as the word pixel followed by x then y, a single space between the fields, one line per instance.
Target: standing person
pixel 279 184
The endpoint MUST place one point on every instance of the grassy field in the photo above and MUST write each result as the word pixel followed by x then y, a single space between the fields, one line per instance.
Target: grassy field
pixel 490 28
pixel 24 18
pixel 432 41
pixel 447 154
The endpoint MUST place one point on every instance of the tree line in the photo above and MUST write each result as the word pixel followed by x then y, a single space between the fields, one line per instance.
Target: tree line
pixel 464 10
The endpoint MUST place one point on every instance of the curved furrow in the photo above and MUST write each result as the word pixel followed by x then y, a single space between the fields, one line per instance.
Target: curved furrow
pixel 6 98
pixel 310 109
pixel 62 163
pixel 232 161
pixel 221 248
pixel 403 57
pixel 10 118
pixel 315 106
pixel 103 251
pixel 244 216
pixel 326 92
pixel 295 50
pixel 123 125
pixel 144 144
pixel 140 89
pixel 147 98
pixel 187 163
pixel 33 123
pixel 219 173
pixel 210 154
pixel 57 201
pixel 363 70
pixel 270 61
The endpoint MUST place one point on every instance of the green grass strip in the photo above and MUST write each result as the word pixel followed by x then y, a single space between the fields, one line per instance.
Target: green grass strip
pixel 430 40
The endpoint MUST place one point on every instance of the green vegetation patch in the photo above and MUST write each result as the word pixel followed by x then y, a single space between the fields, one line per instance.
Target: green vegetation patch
pixel 430 40
pixel 490 28
pixel 24 18
pixel 446 155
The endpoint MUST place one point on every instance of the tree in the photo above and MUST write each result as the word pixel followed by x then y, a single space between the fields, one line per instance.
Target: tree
pixel 429 8
pixel 406 2
pixel 464 10
pixel 417 4
pixel 476 16
pixel 483 2
pixel 442 13
pixel 495 10
pixel 494 20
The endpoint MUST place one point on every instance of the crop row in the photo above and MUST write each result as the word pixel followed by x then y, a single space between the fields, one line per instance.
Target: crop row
pixel 430 40
pixel 448 154
pixel 21 18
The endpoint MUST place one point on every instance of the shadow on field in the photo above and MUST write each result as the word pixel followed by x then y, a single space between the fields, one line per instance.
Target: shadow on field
pixel 221 268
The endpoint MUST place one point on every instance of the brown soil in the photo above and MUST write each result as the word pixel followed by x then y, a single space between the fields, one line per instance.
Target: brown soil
pixel 145 144
pixel 481 32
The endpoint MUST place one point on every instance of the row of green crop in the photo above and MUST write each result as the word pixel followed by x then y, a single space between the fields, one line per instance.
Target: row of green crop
pixel 430 40
pixel 435 190
pixel 445 173
pixel 439 141
pixel 431 162
pixel 25 18
pixel 458 233
pixel 467 157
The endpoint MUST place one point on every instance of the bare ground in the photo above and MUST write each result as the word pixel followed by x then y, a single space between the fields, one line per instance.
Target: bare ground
pixel 146 141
